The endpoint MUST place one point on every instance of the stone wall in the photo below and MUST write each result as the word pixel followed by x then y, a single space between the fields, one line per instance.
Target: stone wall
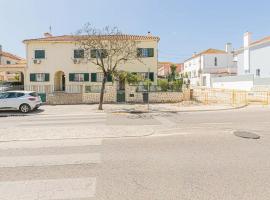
pixel 61 98
pixel 93 97
pixel 132 96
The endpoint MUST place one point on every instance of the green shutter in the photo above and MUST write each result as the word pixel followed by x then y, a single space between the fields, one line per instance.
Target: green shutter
pixel 151 76
pixel 150 52
pixel 32 77
pixel 47 77
pixel 86 77
pixel 93 77
pixel 71 77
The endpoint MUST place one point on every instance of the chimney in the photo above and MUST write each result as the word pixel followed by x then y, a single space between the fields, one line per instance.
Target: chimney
pixel 47 35
pixel 247 39
pixel 228 48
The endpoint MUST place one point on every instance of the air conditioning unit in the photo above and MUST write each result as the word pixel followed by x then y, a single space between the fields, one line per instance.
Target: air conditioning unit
pixel 36 61
pixel 76 61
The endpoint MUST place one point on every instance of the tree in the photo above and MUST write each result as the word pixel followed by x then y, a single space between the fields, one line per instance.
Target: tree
pixel 172 75
pixel 107 48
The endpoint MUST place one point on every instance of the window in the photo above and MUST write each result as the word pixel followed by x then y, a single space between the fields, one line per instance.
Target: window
pixel 20 94
pixel 79 53
pixel 39 54
pixel 145 52
pixel 11 95
pixel 40 77
pixel 99 77
pixel 258 72
pixel 3 95
pixel 8 62
pixel 216 62
pixel 79 77
pixel 96 53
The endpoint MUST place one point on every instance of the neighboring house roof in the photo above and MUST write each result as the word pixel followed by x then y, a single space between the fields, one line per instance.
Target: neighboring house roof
pixel 72 38
pixel 254 44
pixel 11 56
pixel 164 68
pixel 208 51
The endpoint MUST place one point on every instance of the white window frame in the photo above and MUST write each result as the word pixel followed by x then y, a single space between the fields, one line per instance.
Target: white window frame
pixel 79 77
pixel 40 77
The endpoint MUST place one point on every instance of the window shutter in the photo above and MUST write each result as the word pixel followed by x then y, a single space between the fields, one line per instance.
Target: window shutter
pixel 109 78
pixel 32 77
pixel 150 52
pixel 151 76
pixel 71 77
pixel 86 77
pixel 93 77
pixel 47 77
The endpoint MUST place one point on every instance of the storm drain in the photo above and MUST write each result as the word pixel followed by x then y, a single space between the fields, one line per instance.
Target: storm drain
pixel 246 134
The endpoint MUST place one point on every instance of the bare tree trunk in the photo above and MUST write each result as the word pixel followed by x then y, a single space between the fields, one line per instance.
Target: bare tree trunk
pixel 102 92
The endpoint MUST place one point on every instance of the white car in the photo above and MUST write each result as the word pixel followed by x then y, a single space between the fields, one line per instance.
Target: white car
pixel 24 101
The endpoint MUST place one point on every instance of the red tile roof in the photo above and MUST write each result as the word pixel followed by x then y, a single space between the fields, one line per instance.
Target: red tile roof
pixel 208 51
pixel 9 55
pixel 71 38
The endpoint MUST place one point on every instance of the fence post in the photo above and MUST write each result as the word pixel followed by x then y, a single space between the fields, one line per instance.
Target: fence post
pixel 233 97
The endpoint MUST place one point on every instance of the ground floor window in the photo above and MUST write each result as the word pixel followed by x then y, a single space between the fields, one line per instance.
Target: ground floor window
pixel 79 77
pixel 40 77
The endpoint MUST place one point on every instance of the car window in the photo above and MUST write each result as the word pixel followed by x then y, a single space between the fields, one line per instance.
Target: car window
pixel 11 95
pixel 20 94
pixel 33 94
pixel 3 95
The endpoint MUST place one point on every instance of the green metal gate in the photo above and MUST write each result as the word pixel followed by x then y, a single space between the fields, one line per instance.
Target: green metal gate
pixel 121 96
pixel 43 97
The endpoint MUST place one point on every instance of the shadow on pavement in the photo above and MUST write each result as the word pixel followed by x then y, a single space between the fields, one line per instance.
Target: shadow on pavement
pixel 14 113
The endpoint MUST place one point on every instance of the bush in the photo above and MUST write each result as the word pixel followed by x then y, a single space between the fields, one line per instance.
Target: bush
pixel 163 84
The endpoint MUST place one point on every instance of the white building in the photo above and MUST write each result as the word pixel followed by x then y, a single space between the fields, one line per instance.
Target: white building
pixel 209 63
pixel 254 57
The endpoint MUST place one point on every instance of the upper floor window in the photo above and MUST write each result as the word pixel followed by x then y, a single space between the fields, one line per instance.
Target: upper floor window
pixel 145 52
pixel 99 53
pixel 78 53
pixel 8 62
pixel 216 61
pixel 258 72
pixel 39 54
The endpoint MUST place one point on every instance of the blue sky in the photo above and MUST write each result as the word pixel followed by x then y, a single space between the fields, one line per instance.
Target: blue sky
pixel 184 26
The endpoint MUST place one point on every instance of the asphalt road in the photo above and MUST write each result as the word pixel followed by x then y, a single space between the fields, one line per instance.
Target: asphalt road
pixel 190 155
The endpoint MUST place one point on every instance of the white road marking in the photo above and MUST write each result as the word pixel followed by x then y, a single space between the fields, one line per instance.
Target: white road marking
pixel 52 189
pixel 50 160
pixel 49 143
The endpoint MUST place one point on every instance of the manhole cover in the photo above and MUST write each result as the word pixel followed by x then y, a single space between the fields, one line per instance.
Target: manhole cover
pixel 246 134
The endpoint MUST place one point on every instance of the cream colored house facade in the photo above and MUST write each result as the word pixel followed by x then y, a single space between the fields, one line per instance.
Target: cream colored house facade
pixel 52 65
pixel 11 66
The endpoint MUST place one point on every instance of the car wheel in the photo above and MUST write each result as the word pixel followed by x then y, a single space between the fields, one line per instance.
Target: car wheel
pixel 25 108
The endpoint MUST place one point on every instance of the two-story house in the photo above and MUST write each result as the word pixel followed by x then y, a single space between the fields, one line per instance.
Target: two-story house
pixel 7 63
pixel 55 63
pixel 201 67
pixel 253 58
